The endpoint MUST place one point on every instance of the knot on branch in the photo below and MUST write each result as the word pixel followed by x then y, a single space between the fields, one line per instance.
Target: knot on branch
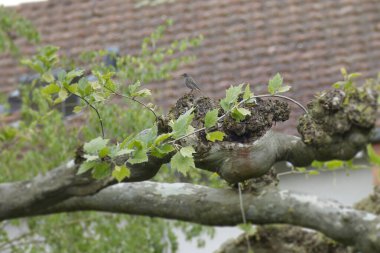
pixel 263 115
pixel 335 112
pixel 371 203
pixel 283 238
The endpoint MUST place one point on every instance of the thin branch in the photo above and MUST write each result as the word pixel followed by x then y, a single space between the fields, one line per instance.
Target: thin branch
pixel 186 135
pixel 94 108
pixel 133 99
pixel 97 113
pixel 284 97
pixel 243 216
pixel 241 205
pixel 233 107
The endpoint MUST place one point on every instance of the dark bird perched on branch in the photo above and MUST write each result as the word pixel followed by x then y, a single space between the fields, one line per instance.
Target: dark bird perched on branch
pixel 190 83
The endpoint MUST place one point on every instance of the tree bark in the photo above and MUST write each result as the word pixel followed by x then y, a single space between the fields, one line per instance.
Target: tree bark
pixel 220 207
pixel 234 162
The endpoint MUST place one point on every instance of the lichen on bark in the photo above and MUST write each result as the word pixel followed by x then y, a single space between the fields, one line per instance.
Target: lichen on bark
pixel 284 239
pixel 334 113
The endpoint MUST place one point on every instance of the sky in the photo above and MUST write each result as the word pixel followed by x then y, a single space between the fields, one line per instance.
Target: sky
pixel 15 2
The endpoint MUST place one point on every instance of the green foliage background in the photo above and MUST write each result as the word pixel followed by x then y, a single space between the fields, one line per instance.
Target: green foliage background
pixel 44 139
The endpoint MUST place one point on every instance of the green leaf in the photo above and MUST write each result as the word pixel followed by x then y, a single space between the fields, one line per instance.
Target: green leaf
pixel 51 89
pixel 239 114
pixel 95 145
pixel 187 151
pixel 161 138
pixel 148 136
pixel 74 73
pixel 142 93
pixel 247 92
pixel 85 166
pixel 313 172
pixel 211 118
pixel 98 97
pixel 181 163
pixel 343 71
pixel 101 170
pixel 7 133
pixel 47 77
pixel 275 83
pixel 373 157
pixel 73 88
pixel 121 172
pixel 78 109
pixel 353 76
pixel 215 136
pixel 91 157
pixel 232 95
pixel 95 85
pixel 61 75
pixel 162 151
pixel 339 84
pixel 124 151
pixel 284 89
pixel 62 95
pixel 334 164
pixel 317 164
pixel 300 169
pixel 139 154
pixel 132 88
pixel 103 152
pixel 248 228
pixel 181 125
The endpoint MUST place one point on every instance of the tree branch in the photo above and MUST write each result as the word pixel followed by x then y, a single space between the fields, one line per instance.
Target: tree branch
pixel 220 207
pixel 234 162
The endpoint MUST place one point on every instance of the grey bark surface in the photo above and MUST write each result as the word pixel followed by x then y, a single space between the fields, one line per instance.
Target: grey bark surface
pixel 208 206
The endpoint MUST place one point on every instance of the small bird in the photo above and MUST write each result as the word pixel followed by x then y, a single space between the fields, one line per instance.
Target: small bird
pixel 190 83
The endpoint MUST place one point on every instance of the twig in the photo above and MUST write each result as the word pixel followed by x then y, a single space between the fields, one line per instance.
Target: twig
pixel 291 172
pixel 243 216
pixel 284 97
pixel 96 110
pixel 133 99
pixel 186 135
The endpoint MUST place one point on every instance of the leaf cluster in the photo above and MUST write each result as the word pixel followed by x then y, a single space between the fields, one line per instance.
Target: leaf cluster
pixel 12 26
pixel 348 83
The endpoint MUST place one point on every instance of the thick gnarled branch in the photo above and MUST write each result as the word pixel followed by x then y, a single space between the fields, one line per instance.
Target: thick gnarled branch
pixel 234 162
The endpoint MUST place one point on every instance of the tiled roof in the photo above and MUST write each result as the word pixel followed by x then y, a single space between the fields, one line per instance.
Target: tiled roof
pixel 306 41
